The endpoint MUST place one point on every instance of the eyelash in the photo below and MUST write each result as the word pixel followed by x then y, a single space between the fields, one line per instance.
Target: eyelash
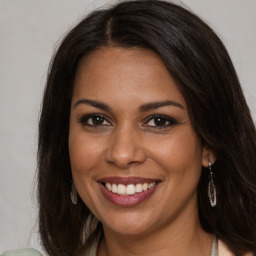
pixel 84 120
pixel 167 119
pixel 171 121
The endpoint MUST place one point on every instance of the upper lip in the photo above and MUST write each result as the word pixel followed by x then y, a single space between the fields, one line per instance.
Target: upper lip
pixel 126 180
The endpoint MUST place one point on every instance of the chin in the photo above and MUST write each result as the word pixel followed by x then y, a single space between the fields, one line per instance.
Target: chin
pixel 127 229
pixel 129 224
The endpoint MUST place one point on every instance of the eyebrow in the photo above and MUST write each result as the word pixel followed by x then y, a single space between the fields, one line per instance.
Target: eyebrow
pixel 155 105
pixel 93 103
pixel 142 108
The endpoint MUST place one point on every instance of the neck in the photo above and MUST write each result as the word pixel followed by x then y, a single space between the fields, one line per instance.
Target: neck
pixel 184 236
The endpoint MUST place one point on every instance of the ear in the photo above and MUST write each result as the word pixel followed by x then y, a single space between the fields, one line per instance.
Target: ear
pixel 208 156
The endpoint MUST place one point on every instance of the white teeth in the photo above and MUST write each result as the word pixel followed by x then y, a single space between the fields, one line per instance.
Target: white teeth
pixel 145 186
pixel 114 188
pixel 151 185
pixel 108 186
pixel 139 188
pixel 130 189
pixel 121 189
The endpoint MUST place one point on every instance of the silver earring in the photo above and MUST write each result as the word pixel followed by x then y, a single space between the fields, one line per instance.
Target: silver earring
pixel 211 189
pixel 73 194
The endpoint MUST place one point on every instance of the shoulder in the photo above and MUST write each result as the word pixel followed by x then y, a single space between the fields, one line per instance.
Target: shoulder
pixel 91 251
pixel 23 252
pixel 224 251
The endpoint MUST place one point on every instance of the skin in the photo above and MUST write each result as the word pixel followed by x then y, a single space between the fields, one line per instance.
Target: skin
pixel 128 143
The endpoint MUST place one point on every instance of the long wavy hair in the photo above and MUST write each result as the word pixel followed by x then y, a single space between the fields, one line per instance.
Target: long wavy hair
pixel 204 73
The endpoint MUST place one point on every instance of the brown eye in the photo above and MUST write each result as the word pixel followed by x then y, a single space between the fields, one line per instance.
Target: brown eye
pixel 160 121
pixel 94 120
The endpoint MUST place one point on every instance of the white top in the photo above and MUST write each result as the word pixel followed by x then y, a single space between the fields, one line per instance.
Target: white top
pixel 218 249
pixel 91 252
pixel 23 252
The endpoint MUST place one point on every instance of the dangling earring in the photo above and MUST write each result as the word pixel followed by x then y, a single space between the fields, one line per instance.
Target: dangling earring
pixel 211 188
pixel 73 194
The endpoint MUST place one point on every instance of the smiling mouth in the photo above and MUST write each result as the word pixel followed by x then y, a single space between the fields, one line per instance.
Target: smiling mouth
pixel 127 191
pixel 130 189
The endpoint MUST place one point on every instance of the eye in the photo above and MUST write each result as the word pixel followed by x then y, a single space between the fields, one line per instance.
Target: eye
pixel 94 120
pixel 160 121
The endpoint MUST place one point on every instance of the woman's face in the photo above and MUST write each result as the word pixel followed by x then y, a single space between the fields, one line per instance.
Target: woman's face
pixel 135 158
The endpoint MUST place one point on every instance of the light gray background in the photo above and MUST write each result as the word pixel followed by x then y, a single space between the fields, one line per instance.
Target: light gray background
pixel 29 31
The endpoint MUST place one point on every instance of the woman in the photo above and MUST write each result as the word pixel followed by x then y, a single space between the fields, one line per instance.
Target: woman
pixel 146 143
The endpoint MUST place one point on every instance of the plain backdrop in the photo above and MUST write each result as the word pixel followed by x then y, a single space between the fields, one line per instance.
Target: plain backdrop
pixel 29 32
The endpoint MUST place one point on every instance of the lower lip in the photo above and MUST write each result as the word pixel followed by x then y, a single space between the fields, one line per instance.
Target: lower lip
pixel 129 200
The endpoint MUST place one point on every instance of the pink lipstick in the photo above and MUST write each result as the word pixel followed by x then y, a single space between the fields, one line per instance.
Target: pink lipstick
pixel 127 191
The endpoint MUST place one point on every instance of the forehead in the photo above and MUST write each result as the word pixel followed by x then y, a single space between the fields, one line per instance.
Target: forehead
pixel 128 74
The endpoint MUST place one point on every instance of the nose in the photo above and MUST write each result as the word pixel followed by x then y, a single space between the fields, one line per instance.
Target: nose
pixel 125 148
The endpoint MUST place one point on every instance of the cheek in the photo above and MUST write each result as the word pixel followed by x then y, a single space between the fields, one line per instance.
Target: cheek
pixel 84 159
pixel 84 153
pixel 180 157
pixel 179 153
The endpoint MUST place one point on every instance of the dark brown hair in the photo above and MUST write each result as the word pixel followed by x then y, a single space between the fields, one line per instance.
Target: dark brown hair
pixel 201 67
